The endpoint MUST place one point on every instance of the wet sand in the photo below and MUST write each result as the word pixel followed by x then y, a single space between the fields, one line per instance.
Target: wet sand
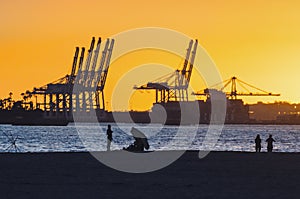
pixel 219 175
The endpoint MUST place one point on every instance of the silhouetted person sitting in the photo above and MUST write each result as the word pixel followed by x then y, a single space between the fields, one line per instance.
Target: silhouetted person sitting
pixel 140 142
pixel 137 145
pixel 270 141
pixel 109 137
pixel 257 143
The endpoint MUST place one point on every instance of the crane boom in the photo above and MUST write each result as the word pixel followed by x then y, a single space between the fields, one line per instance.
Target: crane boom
pixel 91 73
pixel 101 64
pixel 186 61
pixel 72 75
pixel 79 70
pixel 105 71
pixel 190 69
pixel 257 94
pixel 88 61
pixel 239 94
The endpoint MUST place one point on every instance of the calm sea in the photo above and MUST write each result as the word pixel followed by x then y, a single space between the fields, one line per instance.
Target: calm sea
pixel 92 137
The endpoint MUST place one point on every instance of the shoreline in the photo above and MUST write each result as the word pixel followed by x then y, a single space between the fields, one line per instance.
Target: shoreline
pixel 218 175
pixel 186 151
pixel 207 124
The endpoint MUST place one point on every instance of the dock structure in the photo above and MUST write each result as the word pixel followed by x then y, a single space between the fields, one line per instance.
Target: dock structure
pixel 83 89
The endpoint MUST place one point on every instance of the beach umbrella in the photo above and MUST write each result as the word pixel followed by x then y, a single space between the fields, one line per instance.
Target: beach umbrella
pixel 137 134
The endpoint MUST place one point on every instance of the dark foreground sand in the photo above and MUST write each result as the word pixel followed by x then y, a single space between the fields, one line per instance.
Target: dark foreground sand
pixel 219 175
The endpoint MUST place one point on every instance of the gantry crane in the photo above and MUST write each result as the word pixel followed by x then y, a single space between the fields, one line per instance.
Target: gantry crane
pixel 233 82
pixel 60 96
pixel 174 86
pixel 92 80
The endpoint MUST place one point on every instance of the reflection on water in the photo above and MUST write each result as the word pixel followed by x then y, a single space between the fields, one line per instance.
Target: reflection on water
pixel 66 138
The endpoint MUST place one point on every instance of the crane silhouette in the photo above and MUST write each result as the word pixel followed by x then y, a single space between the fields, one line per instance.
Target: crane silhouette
pixel 174 86
pixel 233 83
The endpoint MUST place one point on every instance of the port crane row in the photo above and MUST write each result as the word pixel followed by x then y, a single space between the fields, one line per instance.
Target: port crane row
pixel 83 89
pixel 89 78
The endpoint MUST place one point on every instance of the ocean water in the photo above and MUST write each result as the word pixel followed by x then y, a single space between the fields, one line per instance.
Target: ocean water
pixel 92 137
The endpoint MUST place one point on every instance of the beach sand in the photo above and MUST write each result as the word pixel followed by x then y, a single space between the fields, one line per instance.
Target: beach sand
pixel 219 175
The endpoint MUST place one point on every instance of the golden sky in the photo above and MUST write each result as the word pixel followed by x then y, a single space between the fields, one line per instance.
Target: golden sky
pixel 257 41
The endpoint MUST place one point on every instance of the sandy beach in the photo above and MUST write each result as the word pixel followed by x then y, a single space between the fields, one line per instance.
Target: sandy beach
pixel 219 175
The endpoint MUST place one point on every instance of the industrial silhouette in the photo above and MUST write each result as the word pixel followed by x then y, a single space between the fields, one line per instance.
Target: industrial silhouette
pixel 82 91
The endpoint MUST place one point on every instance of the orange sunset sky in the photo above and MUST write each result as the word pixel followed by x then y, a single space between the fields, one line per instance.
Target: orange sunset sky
pixel 257 41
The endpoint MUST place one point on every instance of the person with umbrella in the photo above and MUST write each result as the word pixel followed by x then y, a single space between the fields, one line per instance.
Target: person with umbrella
pixel 140 143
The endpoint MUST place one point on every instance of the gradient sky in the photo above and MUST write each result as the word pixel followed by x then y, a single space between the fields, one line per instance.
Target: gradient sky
pixel 257 41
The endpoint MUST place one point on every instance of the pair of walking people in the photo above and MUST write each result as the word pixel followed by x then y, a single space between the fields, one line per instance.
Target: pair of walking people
pixel 269 141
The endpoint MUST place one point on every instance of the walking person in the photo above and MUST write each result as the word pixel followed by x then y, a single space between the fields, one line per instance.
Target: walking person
pixel 257 143
pixel 109 137
pixel 270 141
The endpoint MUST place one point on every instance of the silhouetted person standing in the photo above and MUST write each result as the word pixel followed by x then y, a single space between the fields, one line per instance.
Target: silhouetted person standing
pixel 270 141
pixel 109 137
pixel 257 143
